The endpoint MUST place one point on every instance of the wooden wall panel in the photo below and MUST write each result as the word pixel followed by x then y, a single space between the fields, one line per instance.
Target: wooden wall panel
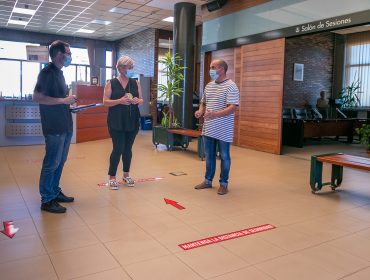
pixel 92 133
pixel 231 6
pixel 262 77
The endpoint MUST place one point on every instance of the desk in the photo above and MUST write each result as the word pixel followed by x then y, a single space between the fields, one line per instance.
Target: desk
pixel 295 131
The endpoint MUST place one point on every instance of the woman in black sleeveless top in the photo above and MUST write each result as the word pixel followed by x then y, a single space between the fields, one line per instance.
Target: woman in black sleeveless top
pixel 122 95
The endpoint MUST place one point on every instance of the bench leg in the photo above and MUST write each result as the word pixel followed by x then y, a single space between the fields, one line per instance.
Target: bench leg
pixel 316 175
pixel 336 176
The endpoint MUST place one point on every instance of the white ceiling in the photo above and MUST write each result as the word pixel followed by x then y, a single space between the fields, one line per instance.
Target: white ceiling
pixel 66 17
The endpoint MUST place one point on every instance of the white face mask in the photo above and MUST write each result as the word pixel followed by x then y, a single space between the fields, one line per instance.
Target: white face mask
pixel 130 73
pixel 213 74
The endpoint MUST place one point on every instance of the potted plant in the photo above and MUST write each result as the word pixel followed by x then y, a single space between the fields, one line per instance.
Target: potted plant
pixel 364 133
pixel 349 95
pixel 167 92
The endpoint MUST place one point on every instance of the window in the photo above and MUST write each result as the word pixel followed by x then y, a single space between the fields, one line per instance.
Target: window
pixel 162 78
pixel 30 71
pixel 357 64
pixel 10 79
pixel 108 63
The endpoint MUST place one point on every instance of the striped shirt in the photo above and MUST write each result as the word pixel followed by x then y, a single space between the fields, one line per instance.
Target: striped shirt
pixel 216 97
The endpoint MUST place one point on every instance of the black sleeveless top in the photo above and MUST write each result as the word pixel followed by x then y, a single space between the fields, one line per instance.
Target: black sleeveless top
pixel 123 117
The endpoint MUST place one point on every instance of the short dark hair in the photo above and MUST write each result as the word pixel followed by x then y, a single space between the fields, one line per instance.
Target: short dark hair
pixel 222 63
pixel 57 46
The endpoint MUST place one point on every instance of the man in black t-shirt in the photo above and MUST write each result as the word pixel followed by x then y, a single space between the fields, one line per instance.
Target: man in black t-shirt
pixel 51 93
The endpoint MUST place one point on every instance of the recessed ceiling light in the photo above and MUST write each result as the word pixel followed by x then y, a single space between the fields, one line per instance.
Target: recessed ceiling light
pixel 85 30
pixel 120 10
pixel 168 19
pixel 19 22
pixel 24 11
pixel 99 21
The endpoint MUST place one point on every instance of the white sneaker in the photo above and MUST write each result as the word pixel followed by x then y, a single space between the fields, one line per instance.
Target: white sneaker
pixel 113 185
pixel 129 181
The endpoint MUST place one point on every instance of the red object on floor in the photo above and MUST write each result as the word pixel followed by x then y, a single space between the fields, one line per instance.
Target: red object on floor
pixel 174 204
pixel 136 181
pixel 9 229
pixel 224 237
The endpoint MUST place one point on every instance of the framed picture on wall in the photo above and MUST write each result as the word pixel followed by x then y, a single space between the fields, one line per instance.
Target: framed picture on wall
pixel 298 72
pixel 94 80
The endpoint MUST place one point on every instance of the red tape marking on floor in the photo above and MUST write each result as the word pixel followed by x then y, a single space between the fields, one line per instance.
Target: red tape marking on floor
pixel 224 237
pixel 136 181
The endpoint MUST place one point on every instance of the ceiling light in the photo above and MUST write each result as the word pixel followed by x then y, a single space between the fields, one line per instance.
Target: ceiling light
pixel 120 10
pixel 85 30
pixel 169 19
pixel 99 21
pixel 19 22
pixel 24 11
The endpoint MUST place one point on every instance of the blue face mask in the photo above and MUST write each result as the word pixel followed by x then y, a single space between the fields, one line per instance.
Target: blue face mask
pixel 129 73
pixel 67 61
pixel 213 74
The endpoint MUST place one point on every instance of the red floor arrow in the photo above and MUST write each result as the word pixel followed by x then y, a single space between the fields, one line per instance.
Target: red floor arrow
pixel 9 229
pixel 174 204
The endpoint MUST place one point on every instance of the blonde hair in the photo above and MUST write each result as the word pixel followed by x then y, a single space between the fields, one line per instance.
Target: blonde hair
pixel 125 61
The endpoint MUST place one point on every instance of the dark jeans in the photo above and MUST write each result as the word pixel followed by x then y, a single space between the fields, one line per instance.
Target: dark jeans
pixel 122 147
pixel 56 152
pixel 210 145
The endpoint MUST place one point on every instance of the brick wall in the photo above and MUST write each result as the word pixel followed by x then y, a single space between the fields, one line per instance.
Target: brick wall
pixel 141 48
pixel 316 53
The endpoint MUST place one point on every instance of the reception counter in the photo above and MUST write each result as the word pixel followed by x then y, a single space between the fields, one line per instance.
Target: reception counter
pixel 20 119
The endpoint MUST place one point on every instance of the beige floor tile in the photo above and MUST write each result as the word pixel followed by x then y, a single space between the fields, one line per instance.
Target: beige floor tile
pixel 164 268
pixel 114 274
pixel 212 260
pixel 46 222
pixel 21 247
pixel 359 275
pixel 39 268
pixel 82 261
pixel 355 245
pixel 334 260
pixel 62 240
pixel 174 236
pixel 136 249
pixel 95 215
pixel 116 229
pixel 262 250
pixel 133 226
pixel 288 239
pixel 293 267
pixel 320 230
pixel 245 273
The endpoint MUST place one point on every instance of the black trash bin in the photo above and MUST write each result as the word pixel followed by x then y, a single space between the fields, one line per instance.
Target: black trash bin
pixel 146 122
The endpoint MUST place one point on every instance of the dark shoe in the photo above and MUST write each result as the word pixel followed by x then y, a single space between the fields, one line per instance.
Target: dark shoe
pixel 53 207
pixel 203 185
pixel 63 198
pixel 222 190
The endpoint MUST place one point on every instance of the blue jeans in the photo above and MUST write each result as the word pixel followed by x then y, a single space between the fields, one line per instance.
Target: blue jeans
pixel 56 152
pixel 210 145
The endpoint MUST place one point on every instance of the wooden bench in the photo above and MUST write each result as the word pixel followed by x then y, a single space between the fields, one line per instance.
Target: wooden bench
pixel 338 161
pixel 188 134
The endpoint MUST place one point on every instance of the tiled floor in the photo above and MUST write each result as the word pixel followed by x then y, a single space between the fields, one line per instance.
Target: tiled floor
pixel 132 234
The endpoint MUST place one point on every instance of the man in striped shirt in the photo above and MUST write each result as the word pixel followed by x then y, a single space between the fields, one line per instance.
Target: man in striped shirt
pixel 218 105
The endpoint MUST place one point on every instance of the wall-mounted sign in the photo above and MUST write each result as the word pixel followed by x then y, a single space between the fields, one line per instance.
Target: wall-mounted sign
pixel 334 23
pixel 38 53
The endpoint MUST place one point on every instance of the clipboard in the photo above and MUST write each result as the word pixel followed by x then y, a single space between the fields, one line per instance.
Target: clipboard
pixel 84 107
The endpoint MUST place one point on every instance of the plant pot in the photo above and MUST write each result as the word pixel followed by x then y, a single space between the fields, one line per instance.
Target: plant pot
pixel 162 136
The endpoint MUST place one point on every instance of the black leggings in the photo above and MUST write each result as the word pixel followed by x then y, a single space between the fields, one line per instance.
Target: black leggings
pixel 122 146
